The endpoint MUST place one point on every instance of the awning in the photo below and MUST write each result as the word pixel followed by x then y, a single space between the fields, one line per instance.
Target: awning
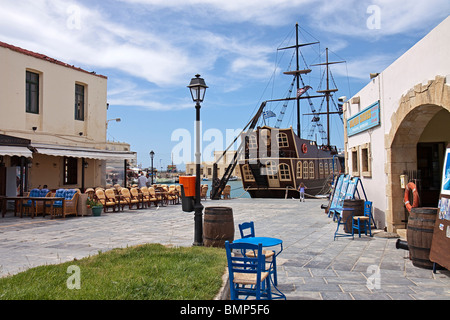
pixel 13 151
pixel 73 152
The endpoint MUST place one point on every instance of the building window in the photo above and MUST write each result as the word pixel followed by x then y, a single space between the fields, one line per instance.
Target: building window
pixel 79 102
pixel 305 169
pixel 247 173
pixel 311 169
pixel 299 170
pixel 282 140
pixel 32 92
pixel 285 174
pixel 70 170
pixel 366 166
pixel 355 162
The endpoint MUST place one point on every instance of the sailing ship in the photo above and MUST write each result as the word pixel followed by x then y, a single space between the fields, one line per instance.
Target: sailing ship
pixel 275 161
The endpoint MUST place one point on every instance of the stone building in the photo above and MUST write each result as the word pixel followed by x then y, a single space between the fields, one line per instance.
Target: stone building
pixel 399 125
pixel 53 121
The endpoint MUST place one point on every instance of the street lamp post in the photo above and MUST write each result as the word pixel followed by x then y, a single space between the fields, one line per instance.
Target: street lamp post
pixel 198 89
pixel 152 154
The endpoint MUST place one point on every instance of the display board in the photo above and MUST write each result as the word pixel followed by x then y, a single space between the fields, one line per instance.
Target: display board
pixel 440 245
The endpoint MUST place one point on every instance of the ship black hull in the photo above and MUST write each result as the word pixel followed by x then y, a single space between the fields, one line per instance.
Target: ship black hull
pixel 318 188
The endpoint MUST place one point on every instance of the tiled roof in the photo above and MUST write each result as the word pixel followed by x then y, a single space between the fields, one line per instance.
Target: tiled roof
pixel 45 58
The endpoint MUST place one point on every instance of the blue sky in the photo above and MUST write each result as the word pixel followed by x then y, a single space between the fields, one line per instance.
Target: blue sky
pixel 150 49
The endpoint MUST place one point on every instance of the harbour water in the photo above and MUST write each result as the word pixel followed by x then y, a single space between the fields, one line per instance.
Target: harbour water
pixel 237 190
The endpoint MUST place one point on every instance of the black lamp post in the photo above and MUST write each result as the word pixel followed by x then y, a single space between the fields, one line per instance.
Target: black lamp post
pixel 198 89
pixel 152 154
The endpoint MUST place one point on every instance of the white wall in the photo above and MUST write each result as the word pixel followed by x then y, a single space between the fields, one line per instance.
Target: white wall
pixel 429 58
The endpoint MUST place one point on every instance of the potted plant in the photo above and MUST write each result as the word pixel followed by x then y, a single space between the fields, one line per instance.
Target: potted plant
pixel 96 207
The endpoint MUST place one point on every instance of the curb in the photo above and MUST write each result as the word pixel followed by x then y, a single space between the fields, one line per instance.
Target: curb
pixel 224 292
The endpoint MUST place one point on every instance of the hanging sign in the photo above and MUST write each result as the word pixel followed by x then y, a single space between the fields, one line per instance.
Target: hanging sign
pixel 366 119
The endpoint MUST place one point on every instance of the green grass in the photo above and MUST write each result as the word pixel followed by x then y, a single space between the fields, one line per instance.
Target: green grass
pixel 148 272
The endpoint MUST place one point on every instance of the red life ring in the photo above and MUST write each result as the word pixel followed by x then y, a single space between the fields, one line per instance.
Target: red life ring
pixel 304 148
pixel 415 204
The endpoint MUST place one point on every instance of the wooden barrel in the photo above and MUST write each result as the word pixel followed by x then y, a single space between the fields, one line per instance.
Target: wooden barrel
pixel 358 210
pixel 419 235
pixel 218 226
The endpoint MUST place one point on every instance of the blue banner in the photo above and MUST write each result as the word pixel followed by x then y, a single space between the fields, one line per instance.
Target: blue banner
pixel 366 119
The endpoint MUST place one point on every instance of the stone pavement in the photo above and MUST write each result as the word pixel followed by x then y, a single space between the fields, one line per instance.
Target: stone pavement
pixel 311 266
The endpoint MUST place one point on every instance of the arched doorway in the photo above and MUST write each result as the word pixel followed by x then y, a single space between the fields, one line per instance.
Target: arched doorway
pixel 413 129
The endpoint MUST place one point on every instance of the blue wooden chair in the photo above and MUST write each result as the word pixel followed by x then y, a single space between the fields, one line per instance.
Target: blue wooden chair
pixel 246 273
pixel 342 221
pixel 362 223
pixel 247 229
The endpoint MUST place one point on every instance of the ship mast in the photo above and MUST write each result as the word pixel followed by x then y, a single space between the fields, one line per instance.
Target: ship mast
pixel 297 72
pixel 328 92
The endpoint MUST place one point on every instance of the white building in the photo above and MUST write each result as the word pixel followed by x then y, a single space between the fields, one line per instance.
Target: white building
pixel 52 123
pixel 399 124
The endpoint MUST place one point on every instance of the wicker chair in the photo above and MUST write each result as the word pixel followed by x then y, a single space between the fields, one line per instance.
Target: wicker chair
pixel 68 206
pixel 203 191
pixel 148 199
pixel 128 199
pixel 110 202
pixel 173 194
pixel 226 192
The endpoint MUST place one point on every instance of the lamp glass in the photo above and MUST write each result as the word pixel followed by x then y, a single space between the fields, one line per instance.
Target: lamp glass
pixel 198 88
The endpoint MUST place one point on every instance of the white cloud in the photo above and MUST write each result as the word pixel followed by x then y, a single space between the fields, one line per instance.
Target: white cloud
pixel 165 42
pixel 356 18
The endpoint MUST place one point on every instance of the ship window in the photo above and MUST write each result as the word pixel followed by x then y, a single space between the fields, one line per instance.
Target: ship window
pixel 321 168
pixel 299 170
pixel 252 142
pixel 285 174
pixel 271 170
pixel 326 167
pixel 248 175
pixel 282 140
pixel 311 170
pixel 305 170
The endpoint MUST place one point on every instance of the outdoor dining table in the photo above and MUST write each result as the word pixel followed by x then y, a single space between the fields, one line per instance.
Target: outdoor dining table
pixel 265 241
pixel 18 203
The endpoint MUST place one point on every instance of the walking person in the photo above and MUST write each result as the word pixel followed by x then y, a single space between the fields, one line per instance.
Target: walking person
pixel 301 189
pixel 142 180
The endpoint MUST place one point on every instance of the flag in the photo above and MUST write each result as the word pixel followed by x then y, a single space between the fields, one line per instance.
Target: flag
pixel 269 114
pixel 302 90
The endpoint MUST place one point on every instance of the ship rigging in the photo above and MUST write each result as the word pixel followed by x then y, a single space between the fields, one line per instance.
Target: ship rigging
pixel 291 160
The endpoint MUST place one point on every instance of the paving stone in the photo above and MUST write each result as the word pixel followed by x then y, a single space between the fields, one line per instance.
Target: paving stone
pixel 311 266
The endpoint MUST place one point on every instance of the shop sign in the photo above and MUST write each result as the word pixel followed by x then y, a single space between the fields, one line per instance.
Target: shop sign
pixel 366 119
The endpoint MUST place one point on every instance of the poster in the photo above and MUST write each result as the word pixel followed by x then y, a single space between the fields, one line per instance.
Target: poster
pixel 445 189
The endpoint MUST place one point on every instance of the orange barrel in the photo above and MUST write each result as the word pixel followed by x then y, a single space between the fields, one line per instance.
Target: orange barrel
pixel 188 183
pixel 218 226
